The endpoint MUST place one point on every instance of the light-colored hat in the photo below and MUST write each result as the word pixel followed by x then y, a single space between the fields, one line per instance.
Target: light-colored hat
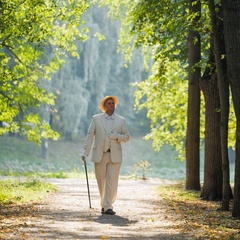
pixel 115 99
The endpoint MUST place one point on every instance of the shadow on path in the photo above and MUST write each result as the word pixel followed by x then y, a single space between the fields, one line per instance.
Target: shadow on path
pixel 114 220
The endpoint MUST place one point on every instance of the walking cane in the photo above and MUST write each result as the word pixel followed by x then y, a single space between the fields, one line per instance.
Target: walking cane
pixel 85 165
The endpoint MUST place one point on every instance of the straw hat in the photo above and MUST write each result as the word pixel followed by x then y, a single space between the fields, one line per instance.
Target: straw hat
pixel 115 99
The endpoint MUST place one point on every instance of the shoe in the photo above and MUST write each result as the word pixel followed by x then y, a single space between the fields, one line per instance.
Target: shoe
pixel 109 212
pixel 102 211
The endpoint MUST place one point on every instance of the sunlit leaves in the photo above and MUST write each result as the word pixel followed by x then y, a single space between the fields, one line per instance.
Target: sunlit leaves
pixel 150 23
pixel 232 127
pixel 35 37
pixel 100 36
pixel 164 94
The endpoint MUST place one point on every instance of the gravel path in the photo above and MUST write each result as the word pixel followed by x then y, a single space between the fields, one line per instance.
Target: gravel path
pixel 140 214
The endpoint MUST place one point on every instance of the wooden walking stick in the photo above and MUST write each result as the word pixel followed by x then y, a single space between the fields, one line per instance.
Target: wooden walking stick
pixel 85 165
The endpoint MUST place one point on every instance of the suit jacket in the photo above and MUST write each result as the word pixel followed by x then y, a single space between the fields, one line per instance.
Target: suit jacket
pixel 97 133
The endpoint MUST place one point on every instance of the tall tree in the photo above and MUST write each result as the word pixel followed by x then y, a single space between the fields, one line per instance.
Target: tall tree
pixel 193 113
pixel 212 183
pixel 223 86
pixel 231 26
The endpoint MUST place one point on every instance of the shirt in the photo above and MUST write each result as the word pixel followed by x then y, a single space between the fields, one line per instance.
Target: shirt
pixel 109 122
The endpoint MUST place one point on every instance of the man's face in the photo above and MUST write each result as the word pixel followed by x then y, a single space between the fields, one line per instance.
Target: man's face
pixel 109 105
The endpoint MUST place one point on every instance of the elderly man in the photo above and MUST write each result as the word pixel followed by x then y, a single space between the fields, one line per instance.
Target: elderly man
pixel 106 132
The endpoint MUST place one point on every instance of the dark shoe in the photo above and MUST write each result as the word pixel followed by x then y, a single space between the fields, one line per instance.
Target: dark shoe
pixel 109 212
pixel 102 211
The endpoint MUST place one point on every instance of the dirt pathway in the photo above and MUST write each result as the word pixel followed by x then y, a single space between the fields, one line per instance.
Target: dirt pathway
pixel 140 214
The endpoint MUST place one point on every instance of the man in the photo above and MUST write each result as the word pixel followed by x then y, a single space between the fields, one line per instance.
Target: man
pixel 106 132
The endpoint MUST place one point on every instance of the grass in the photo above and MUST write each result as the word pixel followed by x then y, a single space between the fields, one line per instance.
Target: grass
pixel 202 218
pixel 19 157
pixel 19 200
pixel 13 191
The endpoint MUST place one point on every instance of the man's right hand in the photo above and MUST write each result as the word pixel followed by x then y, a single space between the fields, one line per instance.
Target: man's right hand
pixel 83 158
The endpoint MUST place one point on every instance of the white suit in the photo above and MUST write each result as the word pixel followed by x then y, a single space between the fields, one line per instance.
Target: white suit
pixel 107 164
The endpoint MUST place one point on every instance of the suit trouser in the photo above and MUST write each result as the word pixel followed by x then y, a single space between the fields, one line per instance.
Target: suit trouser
pixel 107 174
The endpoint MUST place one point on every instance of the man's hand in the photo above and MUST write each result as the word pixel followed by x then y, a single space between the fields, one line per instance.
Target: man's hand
pixel 83 157
pixel 113 135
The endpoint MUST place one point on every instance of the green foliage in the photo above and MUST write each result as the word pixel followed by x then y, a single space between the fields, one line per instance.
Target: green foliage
pixel 165 98
pixel 35 37
pixel 14 191
pixel 232 127
pixel 159 27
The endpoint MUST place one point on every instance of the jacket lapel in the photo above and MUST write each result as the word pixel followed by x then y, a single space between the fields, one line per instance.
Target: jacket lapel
pixel 103 121
pixel 115 122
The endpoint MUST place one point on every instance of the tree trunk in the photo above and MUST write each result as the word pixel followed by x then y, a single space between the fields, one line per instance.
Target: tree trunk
pixel 193 115
pixel 44 149
pixel 44 141
pixel 223 87
pixel 212 185
pixel 68 136
pixel 231 26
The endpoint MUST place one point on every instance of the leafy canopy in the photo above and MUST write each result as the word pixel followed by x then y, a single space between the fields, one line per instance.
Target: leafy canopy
pixel 35 37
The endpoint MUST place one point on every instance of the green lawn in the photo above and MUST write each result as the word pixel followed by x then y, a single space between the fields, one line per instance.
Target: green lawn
pixel 20 157
pixel 13 191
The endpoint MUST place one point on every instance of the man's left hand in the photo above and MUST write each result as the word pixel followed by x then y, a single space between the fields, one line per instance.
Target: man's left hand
pixel 113 135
